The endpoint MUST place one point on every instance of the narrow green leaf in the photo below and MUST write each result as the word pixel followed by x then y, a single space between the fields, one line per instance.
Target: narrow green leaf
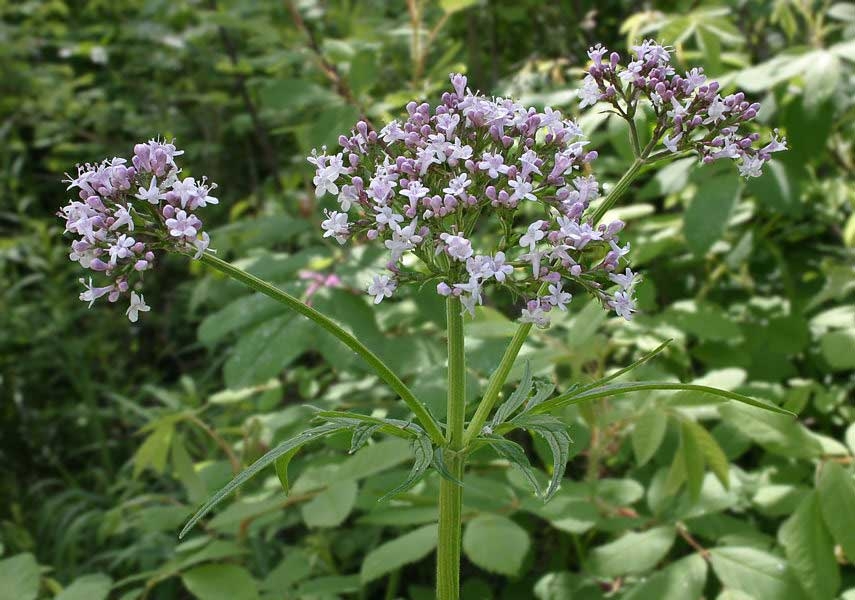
pixel 554 432
pixel 361 435
pixel 403 429
pixel 516 399
pixel 837 501
pixel 245 475
pixel 615 389
pixel 422 459
pixel 810 550
pixel 600 382
pixel 514 454
pixel 544 391
pixel 281 466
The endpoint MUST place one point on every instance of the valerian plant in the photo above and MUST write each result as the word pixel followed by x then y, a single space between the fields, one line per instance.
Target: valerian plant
pixel 474 195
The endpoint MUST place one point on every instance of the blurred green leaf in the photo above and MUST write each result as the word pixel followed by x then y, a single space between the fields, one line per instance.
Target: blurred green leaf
pixel 496 544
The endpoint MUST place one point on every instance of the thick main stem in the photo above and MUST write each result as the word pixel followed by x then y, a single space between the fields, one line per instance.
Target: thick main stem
pixel 375 362
pixel 451 494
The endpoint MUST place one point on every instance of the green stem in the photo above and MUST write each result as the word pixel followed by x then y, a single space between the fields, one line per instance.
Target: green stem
pixel 619 189
pixel 497 380
pixel 451 494
pixel 374 361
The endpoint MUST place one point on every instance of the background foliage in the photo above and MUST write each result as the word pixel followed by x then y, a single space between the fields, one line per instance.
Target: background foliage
pixel 112 433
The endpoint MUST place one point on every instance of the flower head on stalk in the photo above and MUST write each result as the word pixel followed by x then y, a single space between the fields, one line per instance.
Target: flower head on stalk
pixel 691 114
pixel 476 193
pixel 125 214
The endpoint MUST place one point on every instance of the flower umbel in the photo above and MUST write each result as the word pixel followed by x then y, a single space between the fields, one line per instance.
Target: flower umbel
pixel 126 213
pixel 691 115
pixel 447 190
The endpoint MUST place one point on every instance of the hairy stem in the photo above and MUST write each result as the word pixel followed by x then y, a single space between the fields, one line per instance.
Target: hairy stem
pixel 374 361
pixel 451 494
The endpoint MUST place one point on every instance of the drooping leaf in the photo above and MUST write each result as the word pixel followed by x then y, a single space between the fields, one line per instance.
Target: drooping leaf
pixel 422 458
pixel 837 501
pixel 810 550
pixel 514 454
pixel 361 435
pixel 603 381
pixel 496 544
pixel 245 475
pixel 442 468
pixel 554 432
pixel 281 466
pixel 516 399
pixel 389 556
pixel 712 453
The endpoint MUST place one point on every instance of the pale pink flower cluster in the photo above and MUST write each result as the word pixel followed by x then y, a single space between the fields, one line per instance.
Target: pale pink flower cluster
pixel 474 193
pixel 125 213
pixel 691 114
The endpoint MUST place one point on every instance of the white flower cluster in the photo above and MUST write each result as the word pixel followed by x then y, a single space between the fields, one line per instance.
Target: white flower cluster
pixel 451 187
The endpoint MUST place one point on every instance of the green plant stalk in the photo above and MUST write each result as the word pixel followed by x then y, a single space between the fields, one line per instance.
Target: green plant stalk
pixel 375 362
pixel 620 188
pixel 451 494
pixel 494 386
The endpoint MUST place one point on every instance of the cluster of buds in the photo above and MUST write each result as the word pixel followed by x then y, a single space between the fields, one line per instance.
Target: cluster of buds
pixel 477 192
pixel 691 114
pixel 126 213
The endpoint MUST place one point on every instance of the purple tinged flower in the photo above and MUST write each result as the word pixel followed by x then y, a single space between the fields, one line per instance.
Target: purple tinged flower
pixel 557 297
pixel 92 293
pixel 623 304
pixel 533 235
pixel 336 225
pixel 382 287
pixel 137 306
pixel 181 225
pixel 457 246
pixel 626 281
pixel 458 82
pixel 457 186
pixel 493 164
pixel 534 313
pixel 121 248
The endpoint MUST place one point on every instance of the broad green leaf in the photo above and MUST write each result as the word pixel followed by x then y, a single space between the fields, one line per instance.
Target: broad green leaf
pixel 245 475
pixel 422 460
pixel 776 433
pixel 632 553
pixel 266 349
pixel 332 506
pixel 295 567
pixel 185 472
pixel 712 453
pixel 496 544
pixel 389 556
pixel 220 582
pixel 19 578
pixel 838 349
pixel 706 218
pixel 682 580
pixel 810 550
pixel 154 451
pixel 554 432
pixel 756 573
pixel 836 491
pixel 615 389
pixel 693 460
pixel 647 435
pixel 516 399
pixel 87 587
